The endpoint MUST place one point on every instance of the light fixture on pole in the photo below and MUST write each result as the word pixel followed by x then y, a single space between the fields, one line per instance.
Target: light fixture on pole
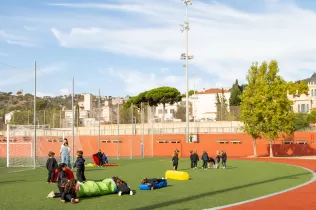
pixel 185 27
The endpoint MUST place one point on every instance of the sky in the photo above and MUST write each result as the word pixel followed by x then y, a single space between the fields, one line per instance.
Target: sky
pixel 125 47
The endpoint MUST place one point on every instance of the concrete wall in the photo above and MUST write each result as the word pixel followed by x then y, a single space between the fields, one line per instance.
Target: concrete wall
pixel 131 146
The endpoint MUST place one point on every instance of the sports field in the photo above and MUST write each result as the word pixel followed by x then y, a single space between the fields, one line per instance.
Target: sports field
pixel 242 180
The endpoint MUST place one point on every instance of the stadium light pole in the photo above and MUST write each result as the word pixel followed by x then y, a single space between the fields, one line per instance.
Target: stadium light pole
pixel 34 114
pixel 185 27
pixel 73 120
pixel 194 112
pixel 118 127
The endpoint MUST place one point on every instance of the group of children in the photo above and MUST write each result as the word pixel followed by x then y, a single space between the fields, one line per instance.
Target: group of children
pixel 208 162
pixel 64 176
pixel 52 166
pixel 68 186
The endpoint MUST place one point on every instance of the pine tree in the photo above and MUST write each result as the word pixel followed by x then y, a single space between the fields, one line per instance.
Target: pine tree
pixel 218 108
pixel 234 99
pixel 221 107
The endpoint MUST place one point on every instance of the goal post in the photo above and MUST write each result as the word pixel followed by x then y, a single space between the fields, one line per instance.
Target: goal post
pixel 21 145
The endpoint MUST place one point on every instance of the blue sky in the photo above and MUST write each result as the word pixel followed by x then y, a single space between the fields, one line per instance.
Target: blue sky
pixel 124 47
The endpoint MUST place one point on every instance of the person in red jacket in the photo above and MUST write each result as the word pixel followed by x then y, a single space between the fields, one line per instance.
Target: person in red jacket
pixel 67 172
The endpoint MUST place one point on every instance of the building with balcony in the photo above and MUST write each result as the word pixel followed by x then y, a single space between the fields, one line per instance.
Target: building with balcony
pixel 305 103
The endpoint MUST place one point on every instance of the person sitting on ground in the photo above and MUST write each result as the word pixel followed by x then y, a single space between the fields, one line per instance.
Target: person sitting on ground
pixel 70 192
pixel 62 178
pixel 152 182
pixel 123 188
pixel 105 158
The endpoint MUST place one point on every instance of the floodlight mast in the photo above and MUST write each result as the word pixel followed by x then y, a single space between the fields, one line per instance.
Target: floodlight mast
pixel 185 27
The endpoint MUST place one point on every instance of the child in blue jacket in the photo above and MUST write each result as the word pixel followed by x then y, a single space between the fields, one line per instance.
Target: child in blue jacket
pixel 79 165
pixel 205 160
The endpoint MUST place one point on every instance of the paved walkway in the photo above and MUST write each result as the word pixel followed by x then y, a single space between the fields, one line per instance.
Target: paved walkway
pixel 302 198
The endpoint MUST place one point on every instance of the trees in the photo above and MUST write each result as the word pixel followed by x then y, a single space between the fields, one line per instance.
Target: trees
pixel 221 106
pixel 190 93
pixel 163 95
pixel 251 105
pixel 297 88
pixel 235 94
pixel 277 115
pixel 180 113
pixel 265 105
pixel 312 117
pixel 301 121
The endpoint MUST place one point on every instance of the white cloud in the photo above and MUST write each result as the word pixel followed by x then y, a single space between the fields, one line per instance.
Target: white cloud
pixel 40 94
pixel 136 81
pixel 15 40
pixel 224 40
pixel 64 91
pixel 21 43
pixel 17 76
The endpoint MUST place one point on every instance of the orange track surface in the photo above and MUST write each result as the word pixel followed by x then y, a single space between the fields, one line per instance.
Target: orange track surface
pixel 300 199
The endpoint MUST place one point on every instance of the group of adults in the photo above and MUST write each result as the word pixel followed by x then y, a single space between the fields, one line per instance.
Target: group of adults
pixel 65 153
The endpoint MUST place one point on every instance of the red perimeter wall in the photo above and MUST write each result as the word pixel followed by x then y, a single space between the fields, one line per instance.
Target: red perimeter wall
pixel 131 145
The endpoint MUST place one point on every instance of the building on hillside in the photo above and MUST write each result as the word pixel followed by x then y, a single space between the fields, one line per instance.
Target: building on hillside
pixel 110 107
pixel 304 103
pixel 170 110
pixel 8 117
pixel 204 103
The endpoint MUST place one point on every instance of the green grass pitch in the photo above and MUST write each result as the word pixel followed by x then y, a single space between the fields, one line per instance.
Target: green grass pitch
pixel 242 180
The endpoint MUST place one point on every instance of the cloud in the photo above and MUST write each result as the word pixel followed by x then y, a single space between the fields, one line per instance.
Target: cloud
pixel 19 75
pixel 64 91
pixel 21 43
pixel 40 94
pixel 224 40
pixel 15 40
pixel 136 81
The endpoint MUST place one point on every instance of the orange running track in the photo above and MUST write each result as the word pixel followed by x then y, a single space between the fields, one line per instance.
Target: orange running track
pixel 302 198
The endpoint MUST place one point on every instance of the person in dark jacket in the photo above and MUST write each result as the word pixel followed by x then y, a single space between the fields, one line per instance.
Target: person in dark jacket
pixel 224 159
pixel 205 160
pixel 152 182
pixel 175 161
pixel 99 154
pixel 123 187
pixel 79 165
pixel 195 159
pixel 61 181
pixel 51 166
pixel 192 159
pixel 70 194
pixel 211 162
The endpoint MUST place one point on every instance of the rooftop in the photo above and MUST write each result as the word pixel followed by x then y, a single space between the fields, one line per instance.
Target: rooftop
pixel 212 91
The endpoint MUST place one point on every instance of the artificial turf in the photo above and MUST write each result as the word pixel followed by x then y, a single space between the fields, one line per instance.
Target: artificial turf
pixel 242 180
